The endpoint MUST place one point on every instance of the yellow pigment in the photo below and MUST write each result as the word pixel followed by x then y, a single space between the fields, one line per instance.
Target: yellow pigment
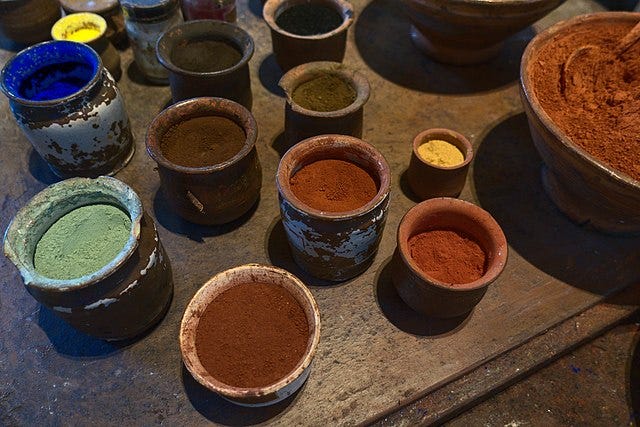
pixel 82 34
pixel 440 153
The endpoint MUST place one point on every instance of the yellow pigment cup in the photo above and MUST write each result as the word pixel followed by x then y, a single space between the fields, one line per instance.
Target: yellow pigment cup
pixel 83 27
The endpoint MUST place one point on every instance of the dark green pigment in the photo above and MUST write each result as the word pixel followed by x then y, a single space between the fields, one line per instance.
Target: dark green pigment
pixel 309 19
pixel 206 56
pixel 325 93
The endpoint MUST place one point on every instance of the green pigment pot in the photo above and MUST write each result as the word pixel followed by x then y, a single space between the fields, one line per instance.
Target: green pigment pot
pixel 123 298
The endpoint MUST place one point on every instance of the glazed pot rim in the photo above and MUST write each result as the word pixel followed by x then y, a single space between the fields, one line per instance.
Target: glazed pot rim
pixel 320 142
pixel 90 16
pixel 163 52
pixel 175 114
pixel 306 72
pixel 45 200
pixel 437 132
pixel 528 92
pixel 97 74
pixel 271 7
pixel 188 346
pixel 470 210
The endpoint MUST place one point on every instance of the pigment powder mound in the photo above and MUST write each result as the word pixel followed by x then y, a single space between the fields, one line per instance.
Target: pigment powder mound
pixel 333 186
pixel 309 19
pixel 56 81
pixel 202 141
pixel 440 153
pixel 448 256
pixel 206 56
pixel 595 98
pixel 328 92
pixel 252 335
pixel 82 242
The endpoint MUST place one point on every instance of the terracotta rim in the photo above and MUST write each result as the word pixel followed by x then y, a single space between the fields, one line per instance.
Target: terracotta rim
pixel 450 136
pixel 527 88
pixel 218 283
pixel 273 8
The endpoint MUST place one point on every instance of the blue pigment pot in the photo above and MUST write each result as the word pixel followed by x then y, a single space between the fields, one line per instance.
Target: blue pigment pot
pixel 69 108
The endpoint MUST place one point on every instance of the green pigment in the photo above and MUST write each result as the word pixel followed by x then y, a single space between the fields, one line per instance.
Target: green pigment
pixel 325 93
pixel 82 242
pixel 309 19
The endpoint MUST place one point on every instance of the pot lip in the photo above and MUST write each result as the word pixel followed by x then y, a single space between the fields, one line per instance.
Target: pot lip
pixel 305 72
pixel 97 73
pixel 44 201
pixel 438 133
pixel 188 347
pixel 164 55
pixel 68 20
pixel 462 207
pixel 100 6
pixel 345 9
pixel 319 143
pixel 176 113
pixel 528 93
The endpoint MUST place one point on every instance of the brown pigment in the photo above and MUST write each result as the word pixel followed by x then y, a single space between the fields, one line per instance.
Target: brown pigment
pixel 205 56
pixel 333 186
pixel 202 141
pixel 448 256
pixel 252 335
pixel 597 104
pixel 328 92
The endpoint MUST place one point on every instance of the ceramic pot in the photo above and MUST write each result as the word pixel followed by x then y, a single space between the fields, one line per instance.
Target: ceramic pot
pixel 428 180
pixel 301 123
pixel 109 10
pixel 25 22
pixel 249 273
pixel 333 245
pixel 232 83
pixel 291 49
pixel 214 194
pixel 64 30
pixel 122 299
pixel 585 189
pixel 432 297
pixel 85 133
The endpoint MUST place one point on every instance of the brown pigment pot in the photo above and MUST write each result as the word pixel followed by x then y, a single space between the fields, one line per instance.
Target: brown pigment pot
pixel 214 194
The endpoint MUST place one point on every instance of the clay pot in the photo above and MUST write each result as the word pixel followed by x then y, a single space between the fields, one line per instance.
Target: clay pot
pixel 233 83
pixel 291 50
pixel 249 273
pixel 428 180
pixel 109 10
pixel 333 245
pixel 586 190
pixel 463 32
pixel 86 133
pixel 427 295
pixel 25 22
pixel 214 194
pixel 301 123
pixel 122 299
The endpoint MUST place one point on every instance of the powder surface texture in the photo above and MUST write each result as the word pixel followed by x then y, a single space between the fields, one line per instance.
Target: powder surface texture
pixel 449 256
pixel 202 141
pixel 252 335
pixel 82 242
pixel 82 34
pixel 333 186
pixel 206 56
pixel 595 98
pixel 441 153
pixel 55 81
pixel 325 93
pixel 309 19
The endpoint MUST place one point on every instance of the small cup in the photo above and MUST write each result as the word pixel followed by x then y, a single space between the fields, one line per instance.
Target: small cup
pixel 428 180
pixel 215 194
pixel 249 273
pixel 432 297
pixel 291 49
pixel 301 123
pixel 333 245
pixel 111 12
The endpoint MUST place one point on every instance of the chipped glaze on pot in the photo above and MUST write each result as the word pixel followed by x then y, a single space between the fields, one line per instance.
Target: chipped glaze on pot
pixel 84 134
pixel 249 273
pixel 301 123
pixel 333 245
pixel 123 298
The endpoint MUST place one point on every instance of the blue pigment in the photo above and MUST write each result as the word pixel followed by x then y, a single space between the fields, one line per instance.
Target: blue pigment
pixel 56 81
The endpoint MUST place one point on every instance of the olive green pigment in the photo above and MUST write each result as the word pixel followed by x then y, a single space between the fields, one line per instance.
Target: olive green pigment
pixel 82 242
pixel 327 92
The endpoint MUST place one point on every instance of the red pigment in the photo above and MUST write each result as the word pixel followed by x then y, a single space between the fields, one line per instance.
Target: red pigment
pixel 448 256
pixel 252 335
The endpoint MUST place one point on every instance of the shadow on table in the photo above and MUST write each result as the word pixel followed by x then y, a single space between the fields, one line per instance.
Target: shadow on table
pixel 218 410
pixel 406 188
pixel 270 74
pixel 506 173
pixel 382 38
pixel 634 380
pixel 135 75
pixel 40 169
